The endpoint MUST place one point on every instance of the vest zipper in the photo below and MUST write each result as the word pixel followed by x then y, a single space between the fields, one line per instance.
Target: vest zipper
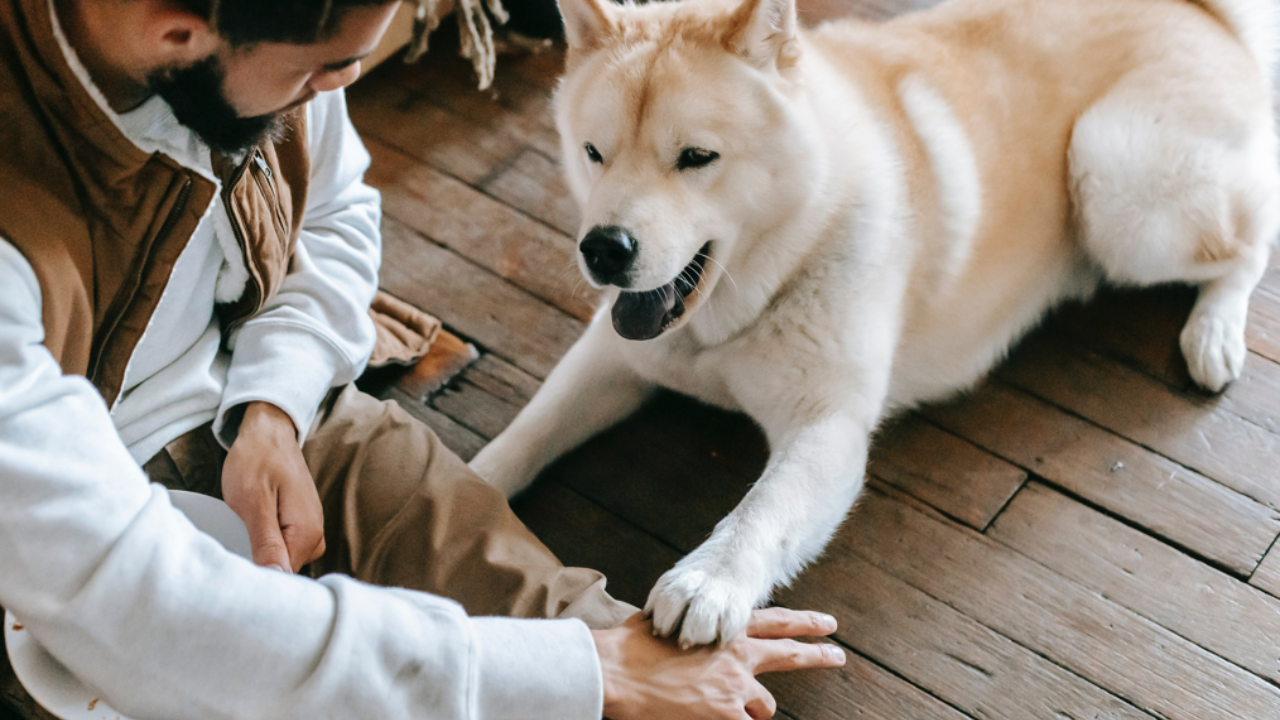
pixel 236 230
pixel 179 206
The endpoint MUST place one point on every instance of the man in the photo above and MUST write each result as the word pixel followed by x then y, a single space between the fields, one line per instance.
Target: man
pixel 187 253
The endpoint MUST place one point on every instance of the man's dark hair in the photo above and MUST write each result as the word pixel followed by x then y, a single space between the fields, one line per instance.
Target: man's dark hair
pixel 244 22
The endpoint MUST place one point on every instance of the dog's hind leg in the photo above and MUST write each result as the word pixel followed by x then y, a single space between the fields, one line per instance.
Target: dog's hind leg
pixel 589 390
pixel 1174 179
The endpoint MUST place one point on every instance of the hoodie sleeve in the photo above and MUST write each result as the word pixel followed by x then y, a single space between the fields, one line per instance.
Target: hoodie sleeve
pixel 164 623
pixel 315 333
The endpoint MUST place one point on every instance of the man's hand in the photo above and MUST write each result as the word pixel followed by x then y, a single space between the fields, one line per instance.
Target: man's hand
pixel 648 677
pixel 267 483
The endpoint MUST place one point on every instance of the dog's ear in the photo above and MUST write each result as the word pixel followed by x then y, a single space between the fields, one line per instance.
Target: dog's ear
pixel 764 32
pixel 586 22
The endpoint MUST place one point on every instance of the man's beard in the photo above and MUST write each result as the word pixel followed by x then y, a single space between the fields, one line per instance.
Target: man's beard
pixel 198 99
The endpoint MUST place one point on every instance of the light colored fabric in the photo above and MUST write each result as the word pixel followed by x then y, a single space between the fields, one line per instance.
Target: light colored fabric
pixel 405 333
pixel 314 334
pixel 155 615
pixel 165 624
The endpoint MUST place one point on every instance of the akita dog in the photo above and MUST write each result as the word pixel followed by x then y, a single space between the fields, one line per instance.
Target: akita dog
pixel 824 227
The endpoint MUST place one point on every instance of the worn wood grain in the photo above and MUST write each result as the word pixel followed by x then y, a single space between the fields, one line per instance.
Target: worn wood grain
pixel 1262 334
pixel 1207 607
pixel 502 318
pixel 1171 501
pixel 1267 576
pixel 1188 429
pixel 512 245
pixel 1069 624
pixel 480 408
pixel 949 654
pixel 512 382
pixel 534 185
pixel 955 476
pixel 396 117
pixel 517 107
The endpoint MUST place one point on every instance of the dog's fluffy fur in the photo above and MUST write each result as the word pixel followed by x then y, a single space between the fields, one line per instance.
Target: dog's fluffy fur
pixel 891 206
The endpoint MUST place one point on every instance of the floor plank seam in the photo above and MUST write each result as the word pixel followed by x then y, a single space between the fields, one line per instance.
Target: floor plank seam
pixel 1072 413
pixel 1007 501
pixel 497 170
pixel 1190 392
pixel 1067 580
pixel 503 165
pixel 1105 596
pixel 1101 510
pixel 849 647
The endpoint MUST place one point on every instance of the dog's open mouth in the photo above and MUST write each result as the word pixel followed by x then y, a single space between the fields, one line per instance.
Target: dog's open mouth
pixel 646 315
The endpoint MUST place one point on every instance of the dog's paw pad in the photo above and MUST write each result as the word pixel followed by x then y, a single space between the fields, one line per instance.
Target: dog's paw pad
pixel 1214 349
pixel 704 608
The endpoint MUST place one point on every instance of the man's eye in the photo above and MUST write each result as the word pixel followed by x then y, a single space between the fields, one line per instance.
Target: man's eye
pixel 692 157
pixel 593 154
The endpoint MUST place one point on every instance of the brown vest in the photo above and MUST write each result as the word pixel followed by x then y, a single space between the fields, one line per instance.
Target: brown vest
pixel 102 223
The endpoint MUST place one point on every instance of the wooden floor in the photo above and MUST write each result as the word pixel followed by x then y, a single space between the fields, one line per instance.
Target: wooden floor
pixel 1083 537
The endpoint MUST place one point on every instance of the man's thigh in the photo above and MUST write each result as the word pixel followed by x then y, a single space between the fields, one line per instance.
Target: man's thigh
pixel 402 510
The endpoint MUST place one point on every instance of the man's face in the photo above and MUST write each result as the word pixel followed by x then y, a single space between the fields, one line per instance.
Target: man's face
pixel 234 99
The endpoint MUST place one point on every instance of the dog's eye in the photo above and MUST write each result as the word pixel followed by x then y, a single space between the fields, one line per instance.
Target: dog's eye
pixel 593 154
pixel 692 157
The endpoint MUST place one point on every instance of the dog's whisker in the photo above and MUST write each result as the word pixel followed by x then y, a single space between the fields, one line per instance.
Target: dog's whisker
pixel 723 269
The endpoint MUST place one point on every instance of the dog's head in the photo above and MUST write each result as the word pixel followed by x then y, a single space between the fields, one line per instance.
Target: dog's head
pixel 680 145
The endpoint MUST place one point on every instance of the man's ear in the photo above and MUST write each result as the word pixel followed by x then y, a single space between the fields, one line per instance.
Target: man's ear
pixel 764 32
pixel 175 36
pixel 586 22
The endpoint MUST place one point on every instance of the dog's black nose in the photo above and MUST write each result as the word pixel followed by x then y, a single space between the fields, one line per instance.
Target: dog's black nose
pixel 609 252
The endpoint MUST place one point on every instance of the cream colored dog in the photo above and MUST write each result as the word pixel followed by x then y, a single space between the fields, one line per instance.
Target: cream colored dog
pixel 822 228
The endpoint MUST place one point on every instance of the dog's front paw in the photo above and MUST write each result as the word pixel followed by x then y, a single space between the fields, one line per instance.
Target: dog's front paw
pixel 1214 348
pixel 705 608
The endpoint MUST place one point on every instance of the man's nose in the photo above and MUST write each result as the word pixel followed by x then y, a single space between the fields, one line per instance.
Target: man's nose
pixel 335 79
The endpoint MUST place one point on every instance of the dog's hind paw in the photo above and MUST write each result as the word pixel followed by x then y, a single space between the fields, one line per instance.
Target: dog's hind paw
pixel 1214 349
pixel 705 608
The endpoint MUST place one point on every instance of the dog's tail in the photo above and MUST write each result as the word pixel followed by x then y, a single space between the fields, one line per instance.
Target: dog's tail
pixel 1255 22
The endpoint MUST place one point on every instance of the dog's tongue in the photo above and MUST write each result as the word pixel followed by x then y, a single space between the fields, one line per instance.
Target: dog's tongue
pixel 644 315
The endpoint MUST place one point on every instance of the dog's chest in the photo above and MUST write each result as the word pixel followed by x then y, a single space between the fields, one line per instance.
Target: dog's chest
pixel 678 364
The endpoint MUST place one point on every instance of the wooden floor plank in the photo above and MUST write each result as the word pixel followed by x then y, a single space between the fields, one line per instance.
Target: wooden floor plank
pixel 1152 491
pixel 1071 625
pixel 1213 610
pixel 1262 334
pixel 953 475
pixel 1267 576
pixel 541 260
pixel 499 316
pixel 952 656
pixel 1188 429
pixel 861 690
pixel 516 107
pixel 534 184
pixel 476 406
pixel 394 116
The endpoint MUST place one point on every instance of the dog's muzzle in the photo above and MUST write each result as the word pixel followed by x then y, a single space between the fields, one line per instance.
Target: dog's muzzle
pixel 646 315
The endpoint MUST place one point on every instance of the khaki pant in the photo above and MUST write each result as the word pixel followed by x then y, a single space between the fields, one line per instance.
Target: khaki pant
pixel 401 510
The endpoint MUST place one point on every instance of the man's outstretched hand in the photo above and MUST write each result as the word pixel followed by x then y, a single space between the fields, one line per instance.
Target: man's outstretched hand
pixel 648 677
pixel 267 483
